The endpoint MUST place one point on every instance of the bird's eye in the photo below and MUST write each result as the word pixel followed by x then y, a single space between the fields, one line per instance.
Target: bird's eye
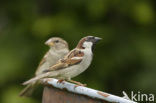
pixel 56 41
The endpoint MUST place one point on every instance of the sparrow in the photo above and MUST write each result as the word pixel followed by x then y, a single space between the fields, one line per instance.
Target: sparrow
pixel 73 64
pixel 58 49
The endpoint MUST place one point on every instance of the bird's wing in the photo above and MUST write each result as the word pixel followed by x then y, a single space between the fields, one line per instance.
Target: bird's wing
pixel 72 58
pixel 42 62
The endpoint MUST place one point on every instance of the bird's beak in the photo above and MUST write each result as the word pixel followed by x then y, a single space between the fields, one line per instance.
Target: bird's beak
pixel 97 39
pixel 50 43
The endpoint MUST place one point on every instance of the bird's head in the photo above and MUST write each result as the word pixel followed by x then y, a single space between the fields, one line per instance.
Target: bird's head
pixel 56 43
pixel 88 42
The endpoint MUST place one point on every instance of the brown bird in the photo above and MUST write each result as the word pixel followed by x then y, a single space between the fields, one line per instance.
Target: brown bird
pixel 73 64
pixel 58 49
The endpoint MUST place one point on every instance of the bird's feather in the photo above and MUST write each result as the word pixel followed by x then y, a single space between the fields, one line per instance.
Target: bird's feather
pixel 72 58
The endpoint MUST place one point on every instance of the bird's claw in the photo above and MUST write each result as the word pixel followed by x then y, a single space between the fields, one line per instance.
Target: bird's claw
pixel 80 84
pixel 77 83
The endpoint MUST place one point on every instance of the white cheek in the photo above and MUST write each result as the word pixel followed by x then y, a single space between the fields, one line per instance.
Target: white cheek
pixel 87 44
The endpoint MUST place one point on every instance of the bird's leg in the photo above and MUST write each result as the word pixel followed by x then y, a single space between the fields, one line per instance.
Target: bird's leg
pixel 75 82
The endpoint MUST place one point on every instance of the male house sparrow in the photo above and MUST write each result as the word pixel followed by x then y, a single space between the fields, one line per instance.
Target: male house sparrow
pixel 58 49
pixel 74 63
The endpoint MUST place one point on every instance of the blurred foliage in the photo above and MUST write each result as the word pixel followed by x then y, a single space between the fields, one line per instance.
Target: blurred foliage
pixel 124 60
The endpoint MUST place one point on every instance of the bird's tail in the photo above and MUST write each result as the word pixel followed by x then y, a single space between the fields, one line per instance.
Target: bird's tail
pixel 45 75
pixel 27 91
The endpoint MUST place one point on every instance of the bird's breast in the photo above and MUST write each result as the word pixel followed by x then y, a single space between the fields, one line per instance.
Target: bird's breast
pixel 77 69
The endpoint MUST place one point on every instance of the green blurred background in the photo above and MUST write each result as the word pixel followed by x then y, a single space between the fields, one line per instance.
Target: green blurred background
pixel 124 61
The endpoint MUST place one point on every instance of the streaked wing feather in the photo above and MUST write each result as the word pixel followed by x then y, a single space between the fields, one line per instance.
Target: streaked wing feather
pixel 68 60
pixel 42 62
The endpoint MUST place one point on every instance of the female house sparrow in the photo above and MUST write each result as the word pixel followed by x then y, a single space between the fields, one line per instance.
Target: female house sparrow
pixel 73 64
pixel 58 49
